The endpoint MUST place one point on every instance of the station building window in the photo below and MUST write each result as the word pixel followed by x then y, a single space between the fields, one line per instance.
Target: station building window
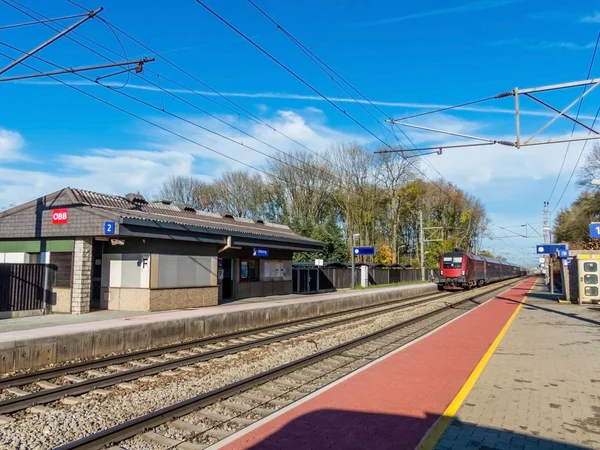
pixel 249 270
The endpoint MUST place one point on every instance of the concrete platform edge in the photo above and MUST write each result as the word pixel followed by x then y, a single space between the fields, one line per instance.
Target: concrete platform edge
pixel 36 352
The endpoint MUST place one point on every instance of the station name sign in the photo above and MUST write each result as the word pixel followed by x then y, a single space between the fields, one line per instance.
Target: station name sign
pixel 552 249
pixel 260 252
pixel 60 216
pixel 363 251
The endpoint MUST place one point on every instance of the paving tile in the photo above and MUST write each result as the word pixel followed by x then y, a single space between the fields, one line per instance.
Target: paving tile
pixel 535 391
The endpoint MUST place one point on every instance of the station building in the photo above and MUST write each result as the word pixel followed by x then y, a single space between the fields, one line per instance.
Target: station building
pixel 126 253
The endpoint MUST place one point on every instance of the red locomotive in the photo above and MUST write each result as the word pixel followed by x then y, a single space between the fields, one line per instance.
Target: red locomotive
pixel 462 270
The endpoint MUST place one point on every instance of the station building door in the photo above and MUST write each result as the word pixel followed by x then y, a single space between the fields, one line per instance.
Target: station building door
pixel 97 252
pixel 227 279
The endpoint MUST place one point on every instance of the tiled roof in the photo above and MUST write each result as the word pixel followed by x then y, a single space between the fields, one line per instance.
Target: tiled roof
pixel 176 214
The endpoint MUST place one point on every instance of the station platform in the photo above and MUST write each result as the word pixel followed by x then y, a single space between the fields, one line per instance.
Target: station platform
pixel 510 374
pixel 37 341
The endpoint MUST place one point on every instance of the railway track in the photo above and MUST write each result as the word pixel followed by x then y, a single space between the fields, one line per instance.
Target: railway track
pixel 205 419
pixel 67 382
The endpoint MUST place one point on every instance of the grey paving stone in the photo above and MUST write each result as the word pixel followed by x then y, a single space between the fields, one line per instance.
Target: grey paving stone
pixel 537 390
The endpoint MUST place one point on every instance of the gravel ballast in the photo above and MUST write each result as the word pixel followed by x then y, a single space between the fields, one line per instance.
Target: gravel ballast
pixel 67 423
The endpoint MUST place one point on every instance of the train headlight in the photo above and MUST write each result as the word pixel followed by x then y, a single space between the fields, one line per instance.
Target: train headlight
pixel 463 272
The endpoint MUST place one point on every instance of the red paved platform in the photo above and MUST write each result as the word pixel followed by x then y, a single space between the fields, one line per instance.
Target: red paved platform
pixel 393 403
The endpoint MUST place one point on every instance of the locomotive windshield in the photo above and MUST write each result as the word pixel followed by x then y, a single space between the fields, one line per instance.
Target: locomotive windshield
pixel 452 262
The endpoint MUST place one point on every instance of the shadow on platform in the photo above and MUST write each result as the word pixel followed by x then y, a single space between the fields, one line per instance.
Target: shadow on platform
pixel 340 429
pixel 544 296
pixel 531 306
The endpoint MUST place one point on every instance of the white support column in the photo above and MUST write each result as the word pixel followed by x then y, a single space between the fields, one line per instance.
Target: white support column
pixel 81 291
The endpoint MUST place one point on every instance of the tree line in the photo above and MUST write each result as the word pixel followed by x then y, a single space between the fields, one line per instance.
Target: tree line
pixel 572 223
pixel 344 191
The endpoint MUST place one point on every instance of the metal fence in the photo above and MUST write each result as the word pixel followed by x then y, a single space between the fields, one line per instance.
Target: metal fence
pixel 323 279
pixel 26 287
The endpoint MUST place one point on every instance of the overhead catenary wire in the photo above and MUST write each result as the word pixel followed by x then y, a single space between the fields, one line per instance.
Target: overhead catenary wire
pixel 576 165
pixel 123 110
pixel 183 137
pixel 448 108
pixel 589 72
pixel 154 124
pixel 291 72
pixel 38 22
pixel 245 112
pixel 322 65
pixel 327 174
pixel 326 180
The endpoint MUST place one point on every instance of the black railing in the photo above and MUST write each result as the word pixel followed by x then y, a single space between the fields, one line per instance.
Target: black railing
pixel 25 287
pixel 332 278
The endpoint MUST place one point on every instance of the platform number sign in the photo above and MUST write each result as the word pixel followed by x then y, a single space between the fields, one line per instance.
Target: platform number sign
pixel 595 230
pixel 60 216
pixel 109 228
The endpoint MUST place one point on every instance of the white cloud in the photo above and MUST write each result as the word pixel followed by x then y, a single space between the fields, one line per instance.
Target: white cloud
pixel 160 154
pixel 108 171
pixel 562 44
pixel 302 97
pixel 469 7
pixel 11 144
pixel 477 167
pixel 592 18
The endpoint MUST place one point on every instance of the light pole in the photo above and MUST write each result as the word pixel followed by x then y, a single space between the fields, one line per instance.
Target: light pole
pixel 595 182
pixel 354 237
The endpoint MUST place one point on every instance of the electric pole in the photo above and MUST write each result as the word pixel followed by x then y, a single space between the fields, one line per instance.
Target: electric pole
pixel 137 65
pixel 546 241
pixel 422 244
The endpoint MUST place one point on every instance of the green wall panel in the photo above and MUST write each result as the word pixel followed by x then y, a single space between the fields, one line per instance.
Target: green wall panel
pixel 35 246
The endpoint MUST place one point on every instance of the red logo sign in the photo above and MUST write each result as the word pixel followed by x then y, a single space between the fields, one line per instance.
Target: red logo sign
pixel 60 216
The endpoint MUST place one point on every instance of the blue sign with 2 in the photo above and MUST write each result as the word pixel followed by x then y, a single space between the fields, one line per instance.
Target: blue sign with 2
pixel 595 230
pixel 261 252
pixel 363 251
pixel 109 228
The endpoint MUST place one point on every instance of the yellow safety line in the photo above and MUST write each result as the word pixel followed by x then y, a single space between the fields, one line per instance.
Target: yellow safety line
pixel 437 430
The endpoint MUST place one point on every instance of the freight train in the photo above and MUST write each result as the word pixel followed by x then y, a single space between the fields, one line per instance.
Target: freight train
pixel 462 270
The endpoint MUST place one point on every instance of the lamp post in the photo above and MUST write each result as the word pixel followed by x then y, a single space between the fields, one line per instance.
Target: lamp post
pixel 595 182
pixel 354 237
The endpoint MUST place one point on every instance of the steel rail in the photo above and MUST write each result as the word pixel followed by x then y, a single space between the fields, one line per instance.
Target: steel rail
pixel 132 427
pixel 54 372
pixel 15 404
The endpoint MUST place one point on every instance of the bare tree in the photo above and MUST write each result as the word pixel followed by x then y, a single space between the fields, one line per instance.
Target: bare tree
pixel 392 172
pixel 179 189
pixel 591 167
pixel 240 193
pixel 305 185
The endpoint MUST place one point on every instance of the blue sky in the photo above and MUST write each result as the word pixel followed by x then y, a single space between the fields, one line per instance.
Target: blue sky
pixel 406 57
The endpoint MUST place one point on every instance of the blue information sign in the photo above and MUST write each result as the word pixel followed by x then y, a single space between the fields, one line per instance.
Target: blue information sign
pixel 363 251
pixel 562 254
pixel 261 252
pixel 550 249
pixel 109 228
pixel 595 230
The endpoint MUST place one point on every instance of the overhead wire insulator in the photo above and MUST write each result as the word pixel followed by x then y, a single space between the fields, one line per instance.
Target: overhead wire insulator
pixel 505 94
